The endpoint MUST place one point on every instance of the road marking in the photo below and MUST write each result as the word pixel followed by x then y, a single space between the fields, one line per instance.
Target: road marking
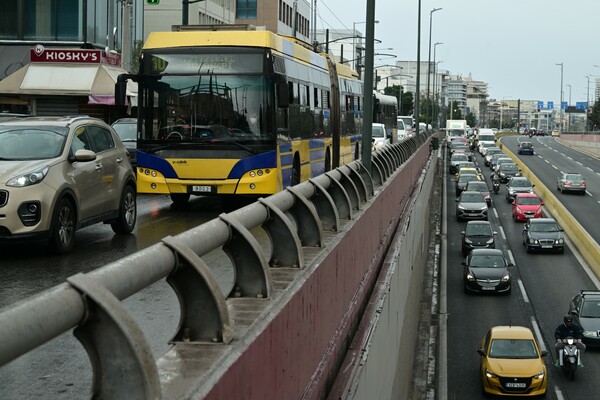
pixel 559 394
pixel 590 169
pixel 554 166
pixel 570 158
pixel 547 161
pixel 579 162
pixel 510 256
pixel 495 213
pixel 523 292
pixel 589 194
pixel 502 232
pixel 538 334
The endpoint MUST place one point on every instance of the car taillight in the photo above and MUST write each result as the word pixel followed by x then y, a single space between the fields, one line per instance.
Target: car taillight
pixel 567 183
pixel 583 184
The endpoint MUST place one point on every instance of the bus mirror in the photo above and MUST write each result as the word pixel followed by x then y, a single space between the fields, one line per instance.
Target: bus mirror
pixel 120 93
pixel 283 99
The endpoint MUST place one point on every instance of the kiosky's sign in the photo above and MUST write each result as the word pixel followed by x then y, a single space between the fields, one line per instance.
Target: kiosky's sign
pixel 41 54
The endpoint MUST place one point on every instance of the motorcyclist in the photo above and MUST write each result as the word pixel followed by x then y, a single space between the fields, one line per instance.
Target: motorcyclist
pixel 495 182
pixel 568 329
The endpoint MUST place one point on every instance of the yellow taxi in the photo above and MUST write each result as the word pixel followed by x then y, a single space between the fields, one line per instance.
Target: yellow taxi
pixel 512 362
pixel 469 171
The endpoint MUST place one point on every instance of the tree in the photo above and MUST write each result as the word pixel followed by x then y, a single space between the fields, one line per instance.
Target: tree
pixel 471 119
pixel 594 116
pixel 405 100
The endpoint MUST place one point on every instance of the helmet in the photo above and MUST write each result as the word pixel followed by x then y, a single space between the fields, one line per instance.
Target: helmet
pixel 568 318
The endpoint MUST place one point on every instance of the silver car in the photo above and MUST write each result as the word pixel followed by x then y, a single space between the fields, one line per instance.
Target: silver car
pixel 571 182
pixel 59 174
pixel 471 205
pixel 518 184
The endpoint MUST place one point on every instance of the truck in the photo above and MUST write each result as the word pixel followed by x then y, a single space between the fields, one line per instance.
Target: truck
pixel 456 127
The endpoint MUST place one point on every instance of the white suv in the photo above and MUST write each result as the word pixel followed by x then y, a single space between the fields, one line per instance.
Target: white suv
pixel 59 174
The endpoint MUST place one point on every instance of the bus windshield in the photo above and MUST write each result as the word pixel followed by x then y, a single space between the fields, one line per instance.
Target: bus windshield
pixel 216 97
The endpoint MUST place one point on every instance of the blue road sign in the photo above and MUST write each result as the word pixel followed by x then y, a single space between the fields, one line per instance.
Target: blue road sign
pixel 550 105
pixel 564 105
pixel 581 105
pixel 540 105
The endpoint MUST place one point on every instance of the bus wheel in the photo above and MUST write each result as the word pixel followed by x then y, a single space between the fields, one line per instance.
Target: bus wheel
pixel 296 171
pixel 180 199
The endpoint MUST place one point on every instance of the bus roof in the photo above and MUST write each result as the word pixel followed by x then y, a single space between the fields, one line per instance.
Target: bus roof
pixel 243 38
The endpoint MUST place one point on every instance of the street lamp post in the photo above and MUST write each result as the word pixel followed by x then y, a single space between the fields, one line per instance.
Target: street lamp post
pixel 354 39
pixel 418 80
pixel 568 113
pixel 429 58
pixel 431 105
pixel 436 93
pixel 561 97
pixel 587 108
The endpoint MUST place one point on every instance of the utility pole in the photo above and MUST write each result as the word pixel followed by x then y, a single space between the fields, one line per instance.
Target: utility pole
pixel 561 97
pixel 429 62
pixel 418 81
pixel 368 86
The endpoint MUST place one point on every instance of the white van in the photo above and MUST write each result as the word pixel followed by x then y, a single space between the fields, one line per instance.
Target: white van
pixel 485 136
pixel 401 132
pixel 409 124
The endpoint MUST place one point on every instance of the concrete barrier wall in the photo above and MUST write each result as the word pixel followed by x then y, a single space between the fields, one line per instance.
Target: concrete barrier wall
pixel 579 237
pixel 379 364
pixel 317 318
pixel 588 142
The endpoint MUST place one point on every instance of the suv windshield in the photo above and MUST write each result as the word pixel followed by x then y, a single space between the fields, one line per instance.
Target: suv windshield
pixel 478 230
pixel 472 198
pixel 31 143
pixel 520 183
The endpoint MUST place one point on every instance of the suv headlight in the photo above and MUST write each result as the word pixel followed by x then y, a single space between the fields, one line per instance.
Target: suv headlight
pixel 590 334
pixel 30 178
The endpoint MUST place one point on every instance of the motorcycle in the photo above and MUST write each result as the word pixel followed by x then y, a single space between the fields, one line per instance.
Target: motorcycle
pixel 569 357
pixel 496 186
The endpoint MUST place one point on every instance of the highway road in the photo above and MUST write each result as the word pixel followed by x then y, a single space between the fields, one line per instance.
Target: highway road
pixel 543 284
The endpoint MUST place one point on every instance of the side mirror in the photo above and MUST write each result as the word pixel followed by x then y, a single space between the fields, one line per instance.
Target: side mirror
pixel 456 200
pixel 544 353
pixel 481 352
pixel 462 232
pixel 510 264
pixel 494 233
pixel 574 312
pixel 532 185
pixel 542 203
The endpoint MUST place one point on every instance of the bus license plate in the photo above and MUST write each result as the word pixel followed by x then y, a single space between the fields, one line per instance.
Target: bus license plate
pixel 203 189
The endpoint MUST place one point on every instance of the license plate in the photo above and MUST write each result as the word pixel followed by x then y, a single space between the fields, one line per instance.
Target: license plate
pixel 546 247
pixel 488 288
pixel 203 189
pixel 516 385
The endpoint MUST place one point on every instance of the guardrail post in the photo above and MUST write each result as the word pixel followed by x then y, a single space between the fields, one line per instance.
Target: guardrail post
pixel 204 314
pixel 310 230
pixel 340 197
pixel 328 212
pixel 286 250
pixel 122 361
pixel 252 276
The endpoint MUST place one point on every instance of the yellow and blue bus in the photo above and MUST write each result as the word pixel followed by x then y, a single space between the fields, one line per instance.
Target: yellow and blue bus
pixel 245 112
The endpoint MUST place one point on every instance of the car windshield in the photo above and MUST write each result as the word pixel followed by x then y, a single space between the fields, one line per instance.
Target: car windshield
pixel 520 183
pixel 473 197
pixel 528 201
pixel 378 131
pixel 513 348
pixel 487 261
pixel 127 131
pixel 544 227
pixel 478 230
pixel 478 186
pixel 590 309
pixel 31 143
pixel 467 178
pixel 574 178
pixel 459 157
pixel 508 167
pixel 526 145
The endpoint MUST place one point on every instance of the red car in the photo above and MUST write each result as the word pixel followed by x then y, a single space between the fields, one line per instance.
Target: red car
pixel 526 206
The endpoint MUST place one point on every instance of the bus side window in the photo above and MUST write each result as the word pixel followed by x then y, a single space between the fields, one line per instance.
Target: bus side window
pixel 317 94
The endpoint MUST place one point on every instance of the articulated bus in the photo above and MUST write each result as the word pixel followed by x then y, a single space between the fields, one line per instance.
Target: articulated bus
pixel 386 112
pixel 244 112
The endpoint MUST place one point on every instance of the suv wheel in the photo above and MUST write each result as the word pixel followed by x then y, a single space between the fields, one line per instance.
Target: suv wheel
pixel 62 231
pixel 125 222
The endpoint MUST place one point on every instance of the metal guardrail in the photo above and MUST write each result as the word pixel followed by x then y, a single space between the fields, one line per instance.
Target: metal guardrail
pixel 91 303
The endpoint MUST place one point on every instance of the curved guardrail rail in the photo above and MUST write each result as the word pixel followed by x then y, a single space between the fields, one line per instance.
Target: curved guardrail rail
pixel 91 303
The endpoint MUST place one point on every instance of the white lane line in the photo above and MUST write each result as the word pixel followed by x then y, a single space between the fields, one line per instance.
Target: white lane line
pixel 523 292
pixel 578 162
pixel 502 232
pixel 554 166
pixel 590 169
pixel 538 334
pixel 547 161
pixel 510 256
pixel 589 194
pixel 559 394
pixel 570 158
pixel 495 212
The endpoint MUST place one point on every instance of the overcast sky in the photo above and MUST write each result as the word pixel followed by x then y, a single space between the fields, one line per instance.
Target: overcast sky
pixel 513 45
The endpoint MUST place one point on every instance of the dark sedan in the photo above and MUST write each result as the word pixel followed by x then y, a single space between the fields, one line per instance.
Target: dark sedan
pixel 507 171
pixel 543 234
pixel 478 235
pixel 525 148
pixel 486 270
pixel 585 309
